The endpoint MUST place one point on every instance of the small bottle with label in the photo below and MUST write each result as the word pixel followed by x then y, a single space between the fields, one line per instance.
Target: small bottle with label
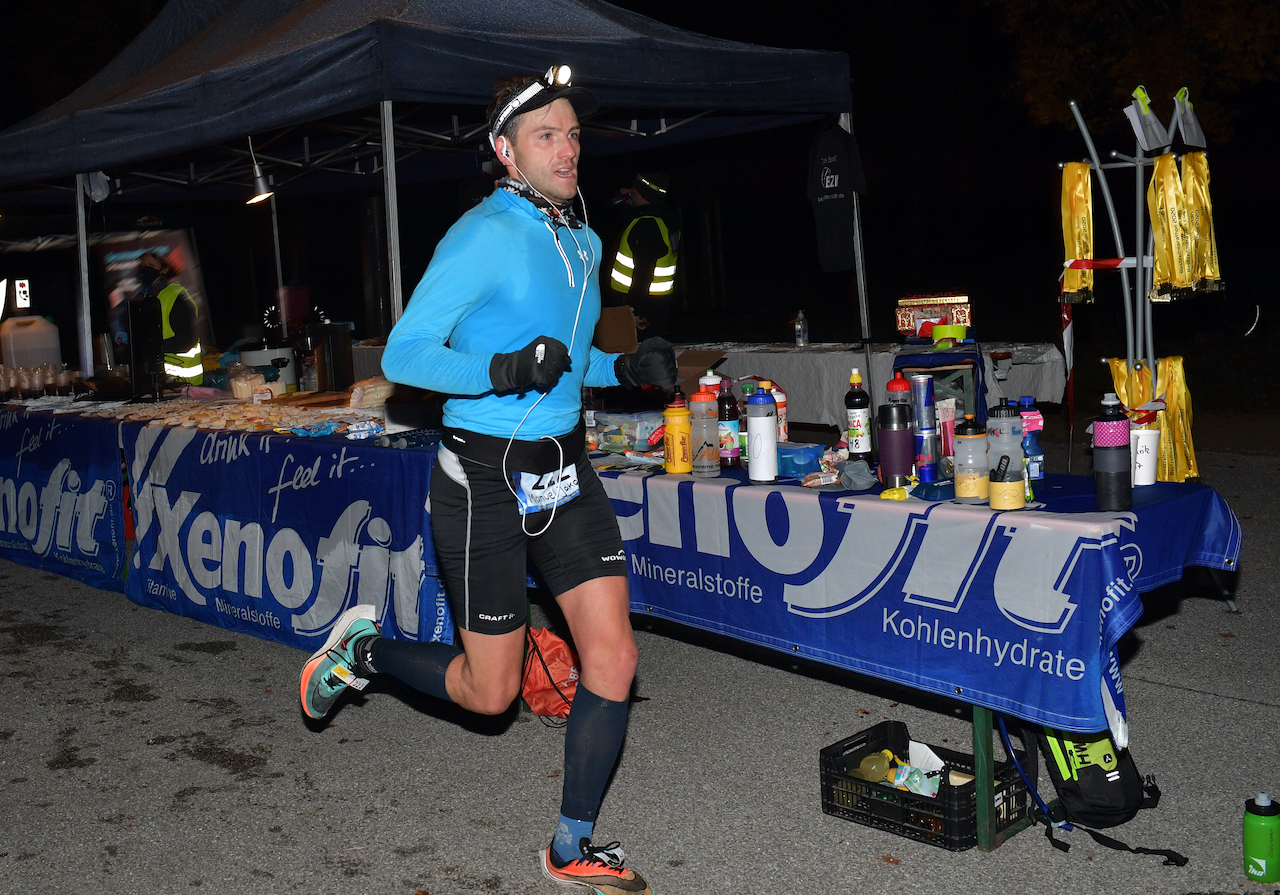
pixel 857 411
pixel 727 426
pixel 802 330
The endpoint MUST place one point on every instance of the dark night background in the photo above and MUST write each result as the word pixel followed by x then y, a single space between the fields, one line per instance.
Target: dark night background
pixel 961 118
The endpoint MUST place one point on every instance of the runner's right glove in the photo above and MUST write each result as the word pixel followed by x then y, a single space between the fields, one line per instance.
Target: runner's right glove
pixel 535 366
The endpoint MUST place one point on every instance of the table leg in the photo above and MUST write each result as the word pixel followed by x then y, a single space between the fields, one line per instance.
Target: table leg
pixel 984 777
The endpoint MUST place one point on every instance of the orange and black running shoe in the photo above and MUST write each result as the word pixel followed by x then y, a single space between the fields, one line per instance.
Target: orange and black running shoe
pixel 599 869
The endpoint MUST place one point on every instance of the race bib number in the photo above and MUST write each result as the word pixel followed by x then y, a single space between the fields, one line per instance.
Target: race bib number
pixel 538 493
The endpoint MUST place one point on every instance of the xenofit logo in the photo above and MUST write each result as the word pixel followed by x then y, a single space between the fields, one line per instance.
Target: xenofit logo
pixel 61 516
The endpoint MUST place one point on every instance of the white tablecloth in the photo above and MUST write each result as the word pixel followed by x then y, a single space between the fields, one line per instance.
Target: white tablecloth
pixel 816 378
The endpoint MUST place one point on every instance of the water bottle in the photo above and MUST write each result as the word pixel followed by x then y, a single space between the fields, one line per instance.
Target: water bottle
pixel 710 380
pixel 762 436
pixel 728 427
pixel 705 433
pixel 780 399
pixel 1262 839
pixel 802 330
pixel 677 438
pixel 1112 477
pixel 898 390
pixel 972 484
pixel 857 411
pixel 1006 487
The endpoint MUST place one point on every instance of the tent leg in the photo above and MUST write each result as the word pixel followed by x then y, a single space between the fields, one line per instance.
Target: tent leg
pixel 393 209
pixel 85 328
pixel 859 262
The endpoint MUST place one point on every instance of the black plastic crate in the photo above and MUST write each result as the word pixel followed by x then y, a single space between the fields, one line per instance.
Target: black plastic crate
pixel 949 820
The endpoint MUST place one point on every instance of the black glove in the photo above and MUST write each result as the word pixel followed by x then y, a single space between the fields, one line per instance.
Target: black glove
pixel 535 366
pixel 654 363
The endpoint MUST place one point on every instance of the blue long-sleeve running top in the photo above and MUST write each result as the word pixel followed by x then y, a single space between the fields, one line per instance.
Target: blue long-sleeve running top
pixel 497 281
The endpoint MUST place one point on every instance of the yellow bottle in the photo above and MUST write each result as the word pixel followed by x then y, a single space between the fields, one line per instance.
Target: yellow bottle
pixel 677 438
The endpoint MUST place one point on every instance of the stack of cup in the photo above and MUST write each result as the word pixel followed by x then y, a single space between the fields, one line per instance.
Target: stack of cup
pixel 925 421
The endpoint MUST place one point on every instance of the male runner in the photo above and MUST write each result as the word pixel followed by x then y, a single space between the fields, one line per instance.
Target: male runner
pixel 502 321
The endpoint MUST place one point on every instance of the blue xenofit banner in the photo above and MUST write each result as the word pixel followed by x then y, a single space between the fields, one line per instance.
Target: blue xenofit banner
pixel 60 487
pixel 276 536
pixel 1019 612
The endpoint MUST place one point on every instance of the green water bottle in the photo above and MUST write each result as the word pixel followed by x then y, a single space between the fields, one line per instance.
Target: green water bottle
pixel 1262 839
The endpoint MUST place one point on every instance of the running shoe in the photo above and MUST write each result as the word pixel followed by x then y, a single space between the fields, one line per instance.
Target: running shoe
pixel 599 869
pixel 329 671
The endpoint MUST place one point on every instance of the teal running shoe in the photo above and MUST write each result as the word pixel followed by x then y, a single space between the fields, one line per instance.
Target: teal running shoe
pixel 331 669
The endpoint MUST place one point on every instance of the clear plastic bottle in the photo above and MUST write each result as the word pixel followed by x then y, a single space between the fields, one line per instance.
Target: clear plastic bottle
pixel 857 413
pixel 971 471
pixel 898 390
pixel 1032 424
pixel 705 432
pixel 1007 486
pixel 780 399
pixel 802 330
pixel 762 436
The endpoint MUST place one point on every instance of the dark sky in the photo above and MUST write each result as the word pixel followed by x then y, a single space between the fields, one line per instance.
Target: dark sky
pixel 964 184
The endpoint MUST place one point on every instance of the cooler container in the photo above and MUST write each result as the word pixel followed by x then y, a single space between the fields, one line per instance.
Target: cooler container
pixel 29 342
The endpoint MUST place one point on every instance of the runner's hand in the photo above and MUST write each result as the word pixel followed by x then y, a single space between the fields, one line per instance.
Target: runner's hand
pixel 653 363
pixel 535 366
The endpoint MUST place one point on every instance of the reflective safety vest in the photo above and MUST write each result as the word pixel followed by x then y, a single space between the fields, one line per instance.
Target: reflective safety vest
pixel 187 365
pixel 664 272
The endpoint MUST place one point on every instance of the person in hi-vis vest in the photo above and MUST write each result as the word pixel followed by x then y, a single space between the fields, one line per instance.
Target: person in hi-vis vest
pixel 179 321
pixel 643 272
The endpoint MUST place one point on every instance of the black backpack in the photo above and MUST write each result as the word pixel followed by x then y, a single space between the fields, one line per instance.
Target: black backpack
pixel 1098 787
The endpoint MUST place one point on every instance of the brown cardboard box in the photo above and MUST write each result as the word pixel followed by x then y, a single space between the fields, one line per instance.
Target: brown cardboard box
pixel 616 331
pixel 691 364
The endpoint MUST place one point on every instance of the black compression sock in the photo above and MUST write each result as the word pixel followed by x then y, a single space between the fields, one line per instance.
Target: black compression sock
pixel 592 741
pixel 420 665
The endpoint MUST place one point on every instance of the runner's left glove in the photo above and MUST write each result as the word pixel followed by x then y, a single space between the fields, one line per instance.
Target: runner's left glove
pixel 535 366
pixel 653 363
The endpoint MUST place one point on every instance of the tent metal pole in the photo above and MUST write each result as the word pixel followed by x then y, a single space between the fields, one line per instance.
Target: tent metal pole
pixel 275 241
pixel 860 272
pixel 393 209
pixel 84 333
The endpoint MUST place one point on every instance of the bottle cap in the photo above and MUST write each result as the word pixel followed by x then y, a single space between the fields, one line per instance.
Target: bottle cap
pixel 898 384
pixel 725 385
pixel 702 395
pixel 1026 401
pixel 1003 411
pixel 765 385
pixel 1110 398
pixel 855 376
pixel 1263 800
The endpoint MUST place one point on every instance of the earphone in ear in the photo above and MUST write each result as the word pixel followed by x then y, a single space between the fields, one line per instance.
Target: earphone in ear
pixel 506 149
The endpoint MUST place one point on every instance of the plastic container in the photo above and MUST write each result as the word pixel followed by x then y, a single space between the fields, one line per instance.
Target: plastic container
pixel 948 820
pixel 797 459
pixel 971 470
pixel 710 380
pixel 677 438
pixel 1032 425
pixel 1006 486
pixel 762 436
pixel 1262 839
pixel 727 427
pixel 631 430
pixel 29 342
pixel 703 412
pixel 1112 474
pixel 898 389
pixel 857 414
pixel 780 399
pixel 925 414
pixel 802 330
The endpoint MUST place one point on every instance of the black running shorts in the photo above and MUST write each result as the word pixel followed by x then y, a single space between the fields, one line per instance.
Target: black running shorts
pixel 482 548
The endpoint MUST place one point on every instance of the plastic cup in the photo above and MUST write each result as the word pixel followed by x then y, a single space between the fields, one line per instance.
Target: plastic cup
pixel 1144 453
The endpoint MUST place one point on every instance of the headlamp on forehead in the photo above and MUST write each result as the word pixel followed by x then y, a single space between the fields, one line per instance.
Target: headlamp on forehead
pixel 554 84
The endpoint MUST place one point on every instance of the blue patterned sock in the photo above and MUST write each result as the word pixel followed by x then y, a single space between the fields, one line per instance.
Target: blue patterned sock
pixel 568 833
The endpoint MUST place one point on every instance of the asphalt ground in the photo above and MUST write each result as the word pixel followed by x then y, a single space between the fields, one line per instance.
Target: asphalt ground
pixel 141 752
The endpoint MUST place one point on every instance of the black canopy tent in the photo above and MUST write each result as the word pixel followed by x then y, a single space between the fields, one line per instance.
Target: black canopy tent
pixel 210 72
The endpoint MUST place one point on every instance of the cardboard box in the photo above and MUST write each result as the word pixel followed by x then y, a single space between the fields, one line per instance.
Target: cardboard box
pixel 616 331
pixel 914 310
pixel 691 364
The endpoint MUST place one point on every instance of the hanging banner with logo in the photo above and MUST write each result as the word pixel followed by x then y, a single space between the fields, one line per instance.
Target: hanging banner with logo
pixel 1019 612
pixel 60 487
pixel 1077 231
pixel 276 536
